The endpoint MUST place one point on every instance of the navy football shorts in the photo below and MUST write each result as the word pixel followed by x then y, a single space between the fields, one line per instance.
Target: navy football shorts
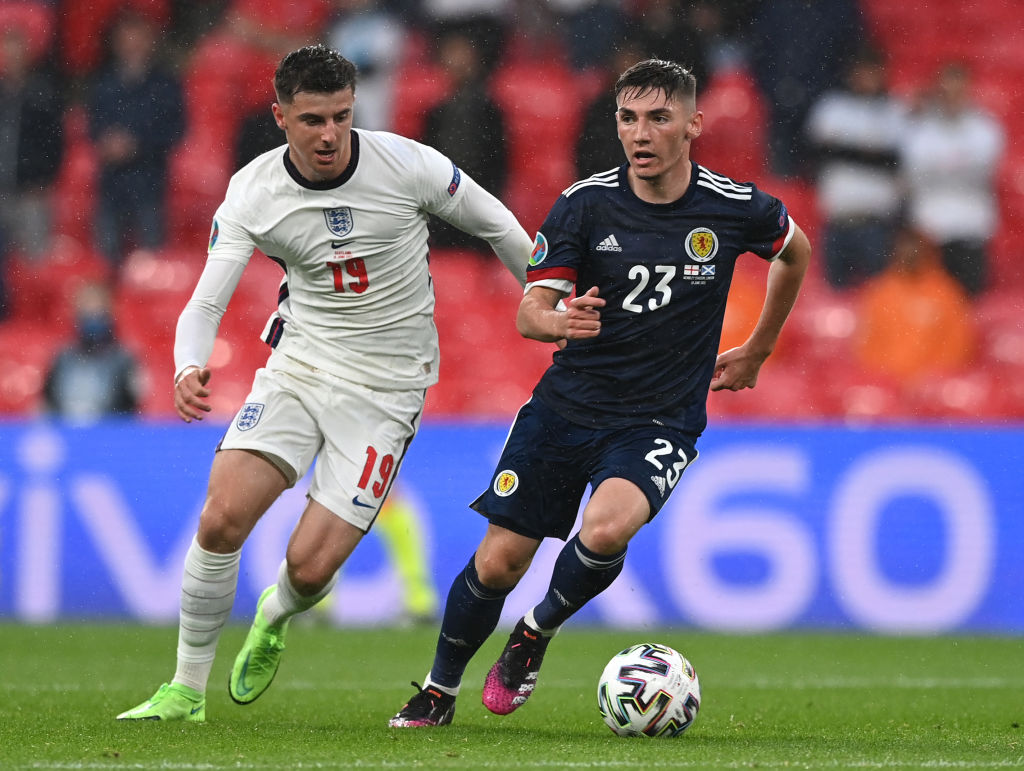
pixel 548 461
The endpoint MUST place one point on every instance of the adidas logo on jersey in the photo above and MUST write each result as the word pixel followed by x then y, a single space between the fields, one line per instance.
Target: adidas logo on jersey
pixel 609 245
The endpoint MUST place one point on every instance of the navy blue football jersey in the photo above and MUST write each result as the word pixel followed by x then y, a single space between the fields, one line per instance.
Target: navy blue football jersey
pixel 664 270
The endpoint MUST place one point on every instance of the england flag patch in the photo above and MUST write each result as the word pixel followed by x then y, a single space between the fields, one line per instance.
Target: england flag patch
pixel 249 416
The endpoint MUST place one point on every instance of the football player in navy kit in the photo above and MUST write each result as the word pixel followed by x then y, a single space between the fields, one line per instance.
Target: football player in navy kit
pixel 649 249
pixel 345 213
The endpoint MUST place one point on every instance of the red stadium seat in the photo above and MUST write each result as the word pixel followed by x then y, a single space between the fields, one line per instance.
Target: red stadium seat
pixel 83 27
pixel 43 290
pixel 74 196
pixel 35 20
pixel 733 138
pixel 153 292
pixel 26 350
pixel 542 123
pixel 420 84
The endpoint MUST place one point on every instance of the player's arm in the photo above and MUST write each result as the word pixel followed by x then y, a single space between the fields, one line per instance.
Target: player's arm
pixel 738 368
pixel 196 332
pixel 542 316
pixel 477 212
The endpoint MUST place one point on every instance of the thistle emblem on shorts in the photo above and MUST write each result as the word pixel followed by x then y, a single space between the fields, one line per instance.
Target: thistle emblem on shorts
pixel 339 221
pixel 701 245
pixel 505 483
pixel 249 416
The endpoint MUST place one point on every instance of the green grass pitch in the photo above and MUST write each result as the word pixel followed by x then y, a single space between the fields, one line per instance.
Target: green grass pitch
pixel 769 701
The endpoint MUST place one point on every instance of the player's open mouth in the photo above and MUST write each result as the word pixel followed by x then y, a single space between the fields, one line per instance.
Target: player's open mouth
pixel 643 158
pixel 325 155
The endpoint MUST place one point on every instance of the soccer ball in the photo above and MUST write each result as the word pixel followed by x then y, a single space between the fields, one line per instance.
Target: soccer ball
pixel 648 690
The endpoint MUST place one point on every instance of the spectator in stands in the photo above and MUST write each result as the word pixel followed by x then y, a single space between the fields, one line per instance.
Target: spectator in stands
pixel 242 52
pixel 136 117
pixel 31 151
pixel 664 29
pixel 950 152
pixel 373 39
pixel 94 376
pixel 798 49
pixel 590 29
pixel 485 22
pixel 854 133
pixel 598 147
pixel 467 127
pixel 914 320
pixel 257 133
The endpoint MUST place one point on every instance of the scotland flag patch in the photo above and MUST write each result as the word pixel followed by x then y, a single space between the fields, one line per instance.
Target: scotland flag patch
pixel 249 416
pixel 339 221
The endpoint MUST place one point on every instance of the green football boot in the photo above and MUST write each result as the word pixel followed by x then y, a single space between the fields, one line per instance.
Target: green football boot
pixel 257 662
pixel 170 702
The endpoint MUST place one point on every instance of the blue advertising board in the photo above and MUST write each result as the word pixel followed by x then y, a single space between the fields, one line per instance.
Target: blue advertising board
pixel 889 530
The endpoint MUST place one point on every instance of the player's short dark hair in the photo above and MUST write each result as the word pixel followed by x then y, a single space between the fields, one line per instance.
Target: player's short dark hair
pixel 316 69
pixel 658 75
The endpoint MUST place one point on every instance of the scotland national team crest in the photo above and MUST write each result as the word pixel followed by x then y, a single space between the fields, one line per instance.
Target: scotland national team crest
pixel 339 221
pixel 249 416
pixel 701 245
pixel 505 483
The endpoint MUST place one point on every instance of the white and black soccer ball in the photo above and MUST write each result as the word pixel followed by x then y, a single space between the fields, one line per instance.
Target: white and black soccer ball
pixel 648 690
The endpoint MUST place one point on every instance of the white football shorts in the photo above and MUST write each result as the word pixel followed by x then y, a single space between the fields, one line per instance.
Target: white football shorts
pixel 358 436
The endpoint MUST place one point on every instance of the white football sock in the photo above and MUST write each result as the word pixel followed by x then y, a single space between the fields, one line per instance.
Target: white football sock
pixel 532 623
pixel 286 601
pixel 207 595
pixel 428 683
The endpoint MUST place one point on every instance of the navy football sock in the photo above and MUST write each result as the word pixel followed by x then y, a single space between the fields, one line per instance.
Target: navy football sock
pixel 579 576
pixel 470 615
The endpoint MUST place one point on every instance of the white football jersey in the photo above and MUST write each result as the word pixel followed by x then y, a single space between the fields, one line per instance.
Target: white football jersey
pixel 357 299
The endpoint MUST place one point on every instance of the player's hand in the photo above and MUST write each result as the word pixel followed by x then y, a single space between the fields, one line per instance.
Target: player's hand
pixel 582 318
pixel 736 369
pixel 190 394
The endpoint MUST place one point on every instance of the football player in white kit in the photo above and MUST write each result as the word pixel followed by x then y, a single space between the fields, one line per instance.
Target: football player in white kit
pixel 344 212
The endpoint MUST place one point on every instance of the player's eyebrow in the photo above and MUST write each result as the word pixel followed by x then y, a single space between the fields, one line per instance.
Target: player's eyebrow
pixel 627 112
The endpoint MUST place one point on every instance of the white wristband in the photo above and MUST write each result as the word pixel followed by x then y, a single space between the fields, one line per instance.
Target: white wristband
pixel 185 371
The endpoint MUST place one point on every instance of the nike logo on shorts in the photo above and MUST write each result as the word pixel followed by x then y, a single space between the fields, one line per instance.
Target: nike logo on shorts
pixel 358 502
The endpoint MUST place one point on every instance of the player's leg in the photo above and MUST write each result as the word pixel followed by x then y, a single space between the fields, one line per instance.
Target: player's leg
pixel 318 547
pixel 586 566
pixel 593 558
pixel 362 437
pixel 210 578
pixel 471 614
pixel 632 473
pixel 402 533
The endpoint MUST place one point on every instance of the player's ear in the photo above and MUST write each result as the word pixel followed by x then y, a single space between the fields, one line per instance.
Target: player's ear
pixel 695 125
pixel 278 115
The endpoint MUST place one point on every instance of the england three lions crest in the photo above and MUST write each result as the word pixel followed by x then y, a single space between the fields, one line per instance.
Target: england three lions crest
pixel 249 416
pixel 339 221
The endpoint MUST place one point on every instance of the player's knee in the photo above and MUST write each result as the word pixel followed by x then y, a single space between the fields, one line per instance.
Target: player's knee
pixel 308 578
pixel 500 571
pixel 221 530
pixel 606 538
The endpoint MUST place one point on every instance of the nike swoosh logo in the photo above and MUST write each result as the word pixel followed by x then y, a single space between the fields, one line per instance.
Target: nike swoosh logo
pixel 337 244
pixel 242 687
pixel 358 502
pixel 196 709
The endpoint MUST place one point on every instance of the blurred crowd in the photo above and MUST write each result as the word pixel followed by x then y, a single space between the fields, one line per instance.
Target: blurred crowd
pixel 124 120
